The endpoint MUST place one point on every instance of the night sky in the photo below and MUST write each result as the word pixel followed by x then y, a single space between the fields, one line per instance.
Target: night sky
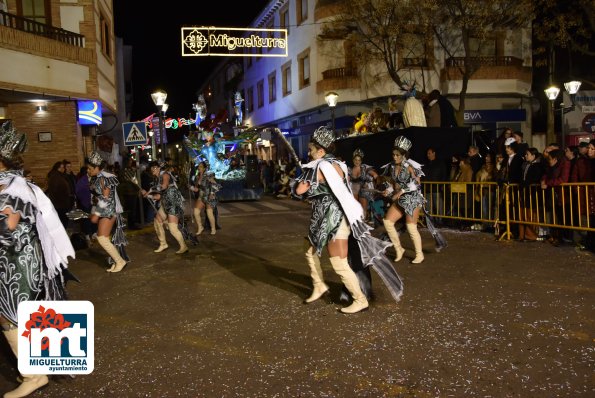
pixel 154 33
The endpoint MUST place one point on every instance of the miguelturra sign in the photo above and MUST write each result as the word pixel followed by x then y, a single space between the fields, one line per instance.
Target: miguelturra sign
pixel 234 42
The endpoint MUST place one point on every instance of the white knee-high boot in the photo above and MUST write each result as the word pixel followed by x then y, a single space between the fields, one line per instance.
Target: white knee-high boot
pixel 416 239
pixel 211 217
pixel 30 382
pixel 320 288
pixel 161 236
pixel 394 238
pixel 175 232
pixel 112 251
pixel 349 279
pixel 196 213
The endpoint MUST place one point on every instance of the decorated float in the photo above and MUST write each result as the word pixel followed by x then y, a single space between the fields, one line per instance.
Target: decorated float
pixel 224 153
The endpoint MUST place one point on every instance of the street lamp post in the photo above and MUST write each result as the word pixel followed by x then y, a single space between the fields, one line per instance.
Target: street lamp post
pixel 552 92
pixel 159 98
pixel 331 100
pixel 153 149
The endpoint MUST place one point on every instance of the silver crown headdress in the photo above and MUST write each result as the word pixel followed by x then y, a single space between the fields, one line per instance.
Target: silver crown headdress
pixel 402 142
pixel 358 152
pixel 95 159
pixel 323 136
pixel 12 142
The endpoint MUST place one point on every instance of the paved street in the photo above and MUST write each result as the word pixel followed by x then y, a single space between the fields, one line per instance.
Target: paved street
pixel 481 319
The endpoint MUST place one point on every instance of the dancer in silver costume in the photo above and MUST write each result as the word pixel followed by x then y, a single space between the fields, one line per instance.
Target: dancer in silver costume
pixel 106 212
pixel 170 205
pixel 335 215
pixel 361 177
pixel 407 198
pixel 34 247
pixel 206 187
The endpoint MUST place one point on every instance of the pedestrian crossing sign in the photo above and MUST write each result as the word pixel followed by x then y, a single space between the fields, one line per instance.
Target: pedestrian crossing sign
pixel 135 133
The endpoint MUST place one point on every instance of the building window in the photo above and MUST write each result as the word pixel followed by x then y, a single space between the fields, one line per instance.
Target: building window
pixel 250 100
pixel 106 35
pixel 483 47
pixel 286 73
pixel 301 10
pixel 36 10
pixel 284 18
pixel 260 93
pixel 272 87
pixel 304 68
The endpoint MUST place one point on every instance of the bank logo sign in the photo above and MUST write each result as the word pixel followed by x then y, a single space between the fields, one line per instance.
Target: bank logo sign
pixel 56 337
pixel 234 42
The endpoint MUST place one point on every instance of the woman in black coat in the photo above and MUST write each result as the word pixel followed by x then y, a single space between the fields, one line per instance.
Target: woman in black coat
pixel 532 171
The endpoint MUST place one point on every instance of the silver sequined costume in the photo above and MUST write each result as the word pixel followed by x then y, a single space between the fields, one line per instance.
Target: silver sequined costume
pixel 363 185
pixel 412 198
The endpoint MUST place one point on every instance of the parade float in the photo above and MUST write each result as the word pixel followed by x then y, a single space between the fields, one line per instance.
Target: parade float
pixel 237 173
pixel 224 153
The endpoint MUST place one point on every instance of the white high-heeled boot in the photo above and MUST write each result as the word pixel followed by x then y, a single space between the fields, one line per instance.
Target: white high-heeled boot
pixel 161 236
pixel 112 251
pixel 211 217
pixel 320 288
pixel 392 233
pixel 200 228
pixel 30 383
pixel 175 232
pixel 349 279
pixel 416 239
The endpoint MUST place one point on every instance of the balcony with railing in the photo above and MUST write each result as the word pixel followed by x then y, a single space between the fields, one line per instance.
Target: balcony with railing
pixel 39 29
pixel 502 67
pixel 485 61
pixel 338 78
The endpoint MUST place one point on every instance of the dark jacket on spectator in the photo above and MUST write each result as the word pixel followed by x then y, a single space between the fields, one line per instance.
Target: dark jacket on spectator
pixel 435 170
pixel 59 190
pixel 513 169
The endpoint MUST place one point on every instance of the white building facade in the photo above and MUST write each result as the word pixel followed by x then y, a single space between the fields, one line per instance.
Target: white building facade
pixel 288 93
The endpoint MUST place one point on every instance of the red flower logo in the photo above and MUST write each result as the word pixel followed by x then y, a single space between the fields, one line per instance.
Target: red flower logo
pixel 43 319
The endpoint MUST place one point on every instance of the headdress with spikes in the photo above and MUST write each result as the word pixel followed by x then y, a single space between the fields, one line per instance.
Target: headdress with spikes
pixel 12 142
pixel 358 152
pixel 403 142
pixel 323 136
pixel 95 159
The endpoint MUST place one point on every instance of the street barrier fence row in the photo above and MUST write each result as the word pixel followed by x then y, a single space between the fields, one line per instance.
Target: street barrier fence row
pixel 501 205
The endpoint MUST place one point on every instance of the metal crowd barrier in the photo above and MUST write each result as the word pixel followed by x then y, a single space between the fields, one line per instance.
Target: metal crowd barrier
pixel 565 206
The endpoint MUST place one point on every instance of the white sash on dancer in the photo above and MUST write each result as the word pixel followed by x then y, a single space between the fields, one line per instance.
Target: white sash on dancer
pixel 54 239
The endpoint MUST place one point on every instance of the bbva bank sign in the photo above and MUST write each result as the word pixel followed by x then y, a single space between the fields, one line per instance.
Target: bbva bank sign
pixel 494 115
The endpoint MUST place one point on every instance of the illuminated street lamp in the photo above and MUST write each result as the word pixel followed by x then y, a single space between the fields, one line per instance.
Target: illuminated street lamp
pixel 552 93
pixel 331 100
pixel 159 98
